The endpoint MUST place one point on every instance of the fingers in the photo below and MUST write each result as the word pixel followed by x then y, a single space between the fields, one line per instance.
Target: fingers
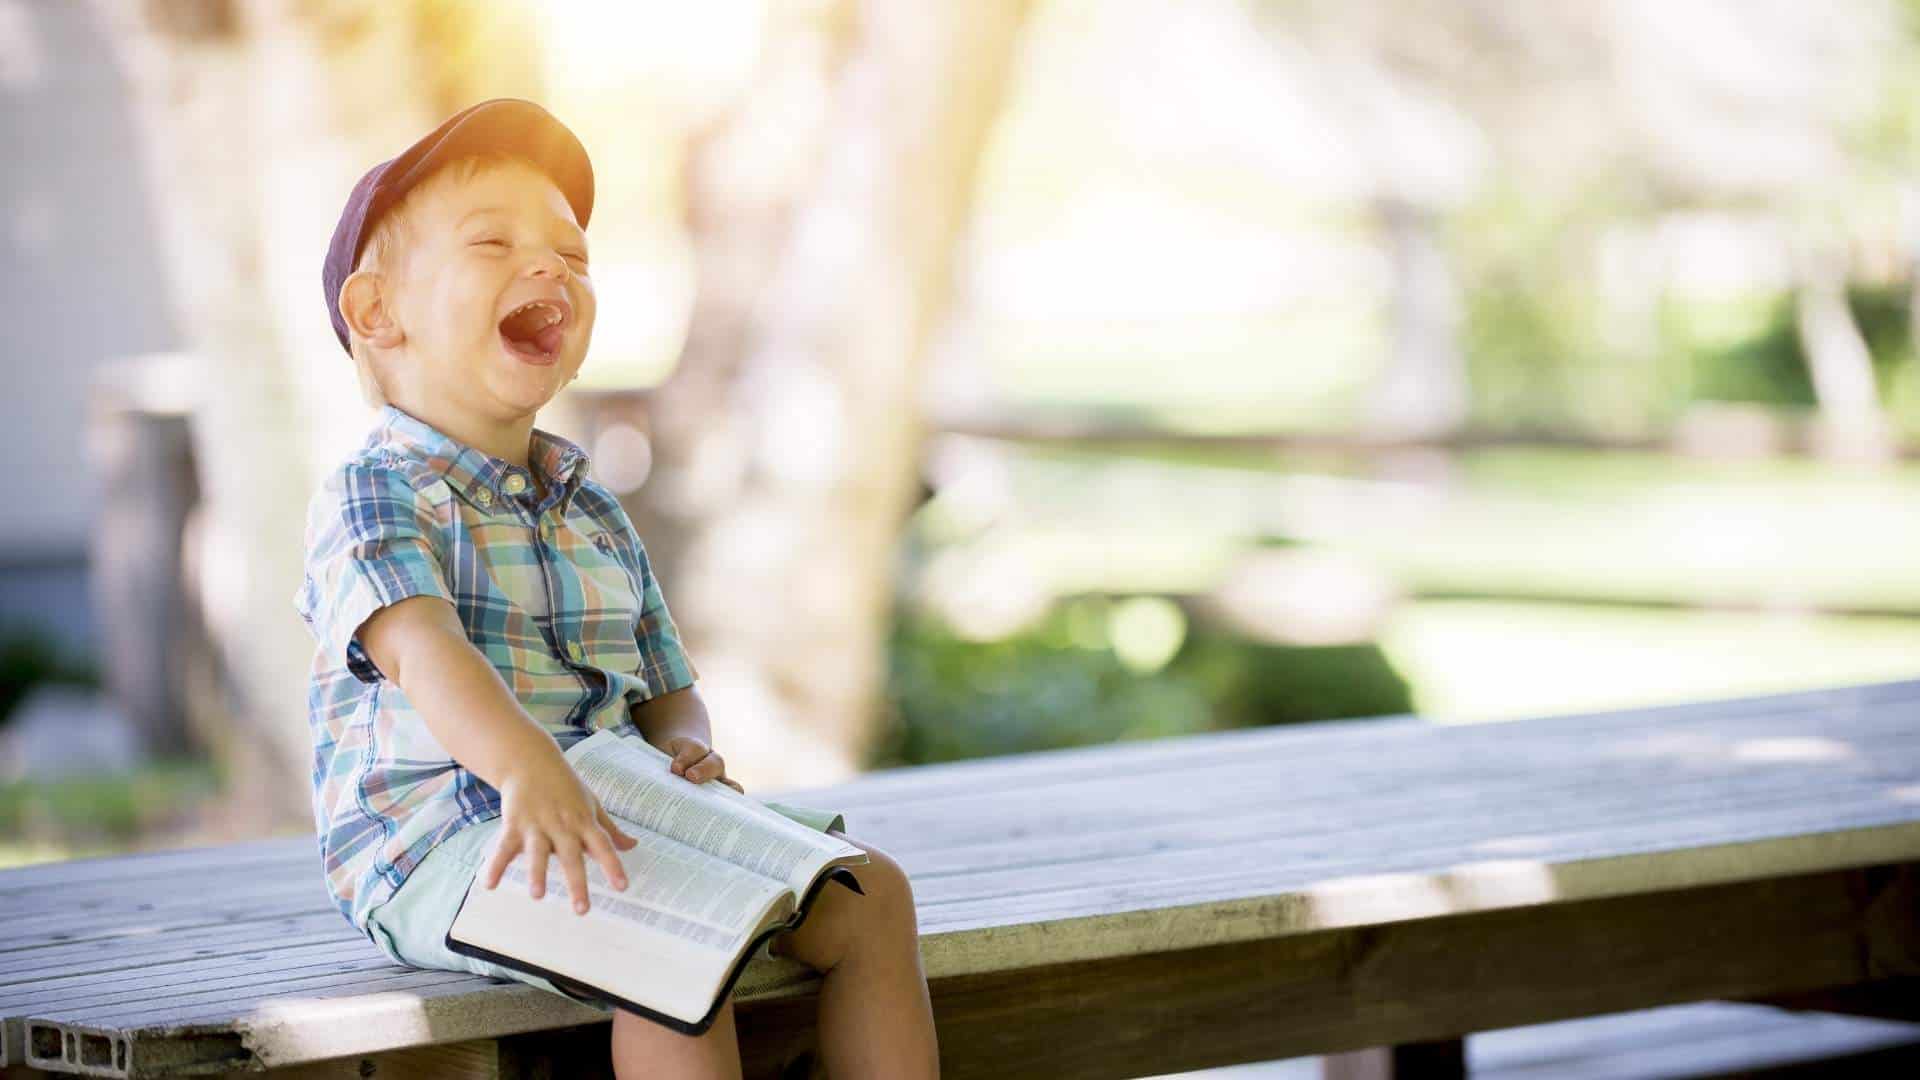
pixel 707 767
pixel 574 867
pixel 621 839
pixel 602 850
pixel 505 846
pixel 686 751
pixel 732 783
pixel 538 849
pixel 695 760
pixel 572 855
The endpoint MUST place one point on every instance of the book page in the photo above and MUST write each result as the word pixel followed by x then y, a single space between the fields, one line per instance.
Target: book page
pixel 631 778
pixel 668 940
pixel 670 888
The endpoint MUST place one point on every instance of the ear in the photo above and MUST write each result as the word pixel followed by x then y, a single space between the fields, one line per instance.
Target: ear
pixel 363 304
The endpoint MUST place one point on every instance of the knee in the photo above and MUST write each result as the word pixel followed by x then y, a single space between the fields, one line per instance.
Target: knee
pixel 880 917
pixel 888 892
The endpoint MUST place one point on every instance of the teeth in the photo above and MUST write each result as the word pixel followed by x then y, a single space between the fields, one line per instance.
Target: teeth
pixel 548 316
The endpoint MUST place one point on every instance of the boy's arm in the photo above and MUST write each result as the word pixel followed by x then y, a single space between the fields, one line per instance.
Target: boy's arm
pixel 420 645
pixel 545 808
pixel 677 724
pixel 681 712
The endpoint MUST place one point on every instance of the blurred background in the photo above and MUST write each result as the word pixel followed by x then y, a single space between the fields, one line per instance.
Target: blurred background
pixel 994 376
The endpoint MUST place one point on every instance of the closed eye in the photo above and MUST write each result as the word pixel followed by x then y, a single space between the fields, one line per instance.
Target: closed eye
pixel 490 240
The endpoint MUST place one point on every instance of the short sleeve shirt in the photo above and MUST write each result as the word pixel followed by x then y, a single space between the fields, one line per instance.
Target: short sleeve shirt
pixel 555 591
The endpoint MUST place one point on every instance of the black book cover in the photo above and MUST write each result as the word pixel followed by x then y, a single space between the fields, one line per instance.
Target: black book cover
pixel 593 993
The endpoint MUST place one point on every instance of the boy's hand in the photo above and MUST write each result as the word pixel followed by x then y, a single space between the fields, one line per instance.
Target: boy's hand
pixel 546 809
pixel 698 762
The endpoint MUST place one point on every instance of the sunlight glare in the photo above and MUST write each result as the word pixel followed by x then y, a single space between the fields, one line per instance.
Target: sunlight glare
pixel 1146 632
pixel 1792 748
pixel 693 54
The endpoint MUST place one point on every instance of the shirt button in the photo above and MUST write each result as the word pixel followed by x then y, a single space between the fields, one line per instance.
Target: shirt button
pixel 515 484
pixel 483 497
pixel 574 650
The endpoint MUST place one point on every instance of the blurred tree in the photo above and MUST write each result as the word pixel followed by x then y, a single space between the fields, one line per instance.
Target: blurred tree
pixel 1852 422
pixel 1627 111
pixel 257 112
pixel 825 204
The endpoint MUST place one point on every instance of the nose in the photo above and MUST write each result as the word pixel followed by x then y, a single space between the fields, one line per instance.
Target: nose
pixel 548 263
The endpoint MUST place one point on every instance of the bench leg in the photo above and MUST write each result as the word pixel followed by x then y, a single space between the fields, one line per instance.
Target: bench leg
pixel 1441 1059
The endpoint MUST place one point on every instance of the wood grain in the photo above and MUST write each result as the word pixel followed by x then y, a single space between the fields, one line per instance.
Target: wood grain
pixel 1338 883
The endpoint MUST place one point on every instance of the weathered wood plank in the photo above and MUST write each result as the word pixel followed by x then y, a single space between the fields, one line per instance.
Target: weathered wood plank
pixel 478 1059
pixel 1137 920
pixel 295 1032
pixel 255 975
pixel 248 898
pixel 1706 1039
pixel 1480 819
pixel 1393 823
pixel 1360 987
pixel 1478 791
pixel 154 865
pixel 887 789
pixel 1189 875
pixel 186 964
pixel 1448 762
pixel 1518 755
pixel 1297 837
pixel 77 996
pixel 189 1004
pixel 107 954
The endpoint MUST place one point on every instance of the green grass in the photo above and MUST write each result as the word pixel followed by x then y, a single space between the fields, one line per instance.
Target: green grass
pixel 1475 661
pixel 14 855
pixel 1512 574
pixel 1565 525
pixel 104 811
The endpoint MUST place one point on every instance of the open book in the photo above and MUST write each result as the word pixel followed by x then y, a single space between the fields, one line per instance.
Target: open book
pixel 714 875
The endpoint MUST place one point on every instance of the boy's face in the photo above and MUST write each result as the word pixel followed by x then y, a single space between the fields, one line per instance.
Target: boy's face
pixel 479 252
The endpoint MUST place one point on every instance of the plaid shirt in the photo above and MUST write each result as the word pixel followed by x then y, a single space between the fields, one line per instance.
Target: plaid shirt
pixel 557 593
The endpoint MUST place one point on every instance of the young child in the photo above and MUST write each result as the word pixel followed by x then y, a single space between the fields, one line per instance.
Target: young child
pixel 481 603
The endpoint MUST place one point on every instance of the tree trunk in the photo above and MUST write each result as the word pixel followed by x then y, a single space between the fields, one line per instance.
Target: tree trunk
pixel 260 115
pixel 786 446
pixel 1850 425
pixel 1422 394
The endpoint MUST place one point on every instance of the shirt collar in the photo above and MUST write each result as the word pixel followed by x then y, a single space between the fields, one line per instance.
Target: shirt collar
pixel 479 477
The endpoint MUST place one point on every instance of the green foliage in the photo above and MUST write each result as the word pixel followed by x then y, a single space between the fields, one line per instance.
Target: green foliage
pixel 1545 352
pixel 955 699
pixel 1253 685
pixel 27 657
pixel 1543 343
pixel 1765 364
pixel 114 807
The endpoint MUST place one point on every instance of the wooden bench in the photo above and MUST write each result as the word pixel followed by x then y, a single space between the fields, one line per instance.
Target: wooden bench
pixel 1370 889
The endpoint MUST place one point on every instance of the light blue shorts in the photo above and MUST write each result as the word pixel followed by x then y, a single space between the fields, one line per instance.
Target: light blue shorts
pixel 411 926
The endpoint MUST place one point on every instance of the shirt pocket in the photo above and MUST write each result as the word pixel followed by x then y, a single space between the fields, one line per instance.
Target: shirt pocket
pixel 610 611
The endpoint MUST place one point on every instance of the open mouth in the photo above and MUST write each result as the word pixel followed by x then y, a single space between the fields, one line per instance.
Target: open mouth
pixel 533 331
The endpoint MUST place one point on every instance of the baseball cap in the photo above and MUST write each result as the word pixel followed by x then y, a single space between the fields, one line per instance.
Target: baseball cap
pixel 508 124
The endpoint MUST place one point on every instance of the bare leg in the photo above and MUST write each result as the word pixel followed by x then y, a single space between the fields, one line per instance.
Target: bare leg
pixel 642 1048
pixel 875 1015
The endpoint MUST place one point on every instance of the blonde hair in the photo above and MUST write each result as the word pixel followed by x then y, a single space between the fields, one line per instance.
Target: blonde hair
pixel 386 246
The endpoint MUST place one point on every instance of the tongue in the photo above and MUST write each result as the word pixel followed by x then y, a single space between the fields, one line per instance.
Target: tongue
pixel 548 339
